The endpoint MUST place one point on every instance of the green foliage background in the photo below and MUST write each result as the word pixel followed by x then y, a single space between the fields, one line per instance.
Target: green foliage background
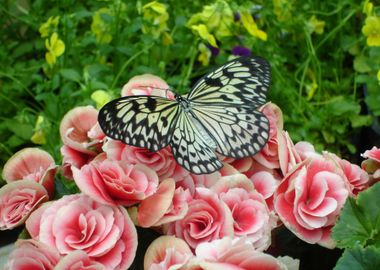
pixel 317 78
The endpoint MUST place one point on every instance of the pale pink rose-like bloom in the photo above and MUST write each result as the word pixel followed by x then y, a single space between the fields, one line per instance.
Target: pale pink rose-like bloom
pixel 148 85
pixel 161 161
pixel 192 181
pixel 17 200
pixel 82 139
pixel 31 164
pixel 372 163
pixel 357 179
pixel 306 150
pixel 266 184
pixel 32 254
pixel 207 218
pixel 76 222
pixel 116 182
pixel 240 165
pixel 252 217
pixel 78 260
pixel 309 200
pixel 268 155
pixel 287 154
pixel 168 204
pixel 167 253
pixel 232 254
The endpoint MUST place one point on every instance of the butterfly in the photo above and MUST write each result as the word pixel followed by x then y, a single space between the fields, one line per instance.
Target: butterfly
pixel 218 115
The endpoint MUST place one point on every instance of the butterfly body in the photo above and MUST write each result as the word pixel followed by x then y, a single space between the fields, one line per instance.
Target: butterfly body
pixel 219 114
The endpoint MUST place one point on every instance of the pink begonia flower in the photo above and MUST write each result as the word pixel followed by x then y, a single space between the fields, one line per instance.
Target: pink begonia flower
pixel 147 84
pixel 232 254
pixel 82 140
pixel 207 218
pixel 32 254
pixel 192 181
pixel 357 179
pixel 306 150
pixel 372 163
pixel 17 200
pixel 78 260
pixel 167 253
pixel 31 164
pixel 268 155
pixel 76 222
pixel 287 154
pixel 161 161
pixel 252 217
pixel 309 200
pixel 116 182
pixel 240 165
pixel 265 183
pixel 168 204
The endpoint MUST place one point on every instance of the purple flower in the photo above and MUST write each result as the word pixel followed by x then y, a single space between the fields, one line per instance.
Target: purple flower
pixel 241 51
pixel 214 50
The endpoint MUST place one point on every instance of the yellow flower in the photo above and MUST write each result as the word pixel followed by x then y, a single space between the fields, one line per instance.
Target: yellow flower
pixel 156 15
pixel 55 48
pixel 367 8
pixel 205 54
pixel 217 17
pixel 371 30
pixel 316 25
pixel 378 75
pixel 39 137
pixel 251 26
pixel 100 28
pixel 166 39
pixel 202 31
pixel 100 97
pixel 46 27
pixel 283 9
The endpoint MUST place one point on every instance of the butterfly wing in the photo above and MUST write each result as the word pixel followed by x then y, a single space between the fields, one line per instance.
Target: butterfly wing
pixel 142 121
pixel 237 131
pixel 240 82
pixel 190 149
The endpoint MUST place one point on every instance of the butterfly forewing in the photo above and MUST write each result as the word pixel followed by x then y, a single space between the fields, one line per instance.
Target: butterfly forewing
pixel 142 121
pixel 240 82
pixel 238 131
pixel 190 149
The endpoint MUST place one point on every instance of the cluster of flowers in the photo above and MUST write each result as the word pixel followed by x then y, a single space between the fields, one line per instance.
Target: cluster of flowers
pixel 223 219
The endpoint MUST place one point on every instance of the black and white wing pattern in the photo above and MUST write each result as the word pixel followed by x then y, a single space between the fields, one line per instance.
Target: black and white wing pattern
pixel 142 121
pixel 237 131
pixel 240 82
pixel 190 149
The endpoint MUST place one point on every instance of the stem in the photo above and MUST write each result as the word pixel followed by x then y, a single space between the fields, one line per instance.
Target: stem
pixel 190 67
pixel 127 63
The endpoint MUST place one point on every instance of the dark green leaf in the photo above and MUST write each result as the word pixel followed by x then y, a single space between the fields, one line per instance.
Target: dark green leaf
pixel 359 222
pixel 359 258
pixel 70 74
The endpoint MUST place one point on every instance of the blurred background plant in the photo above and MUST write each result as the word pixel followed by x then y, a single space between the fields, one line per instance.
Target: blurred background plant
pixel 325 58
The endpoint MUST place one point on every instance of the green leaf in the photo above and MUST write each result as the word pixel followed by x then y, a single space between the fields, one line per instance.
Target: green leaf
pixel 359 258
pixel 360 120
pixel 361 64
pixel 359 221
pixel 342 106
pixel 70 74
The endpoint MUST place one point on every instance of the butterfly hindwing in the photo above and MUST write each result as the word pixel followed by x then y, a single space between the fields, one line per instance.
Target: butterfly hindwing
pixel 190 150
pixel 240 82
pixel 142 121
pixel 237 131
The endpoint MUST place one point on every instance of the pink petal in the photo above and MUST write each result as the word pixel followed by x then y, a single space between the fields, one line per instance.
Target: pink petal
pixel 155 206
pixel 157 249
pixel 75 126
pixel 18 200
pixel 27 162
